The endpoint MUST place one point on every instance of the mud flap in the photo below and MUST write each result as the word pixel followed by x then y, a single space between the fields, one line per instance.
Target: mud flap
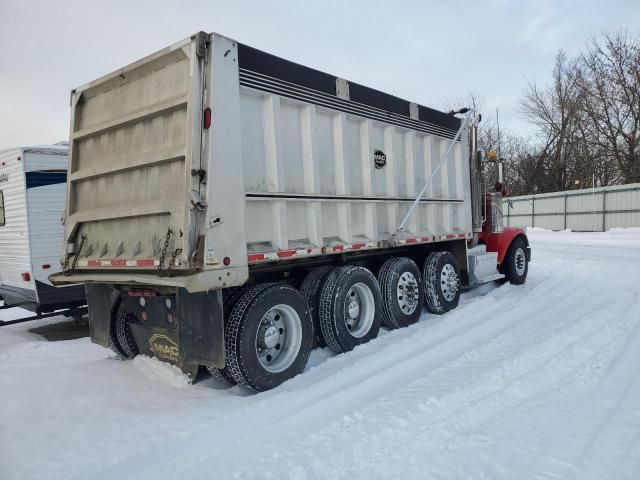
pixel 99 303
pixel 200 327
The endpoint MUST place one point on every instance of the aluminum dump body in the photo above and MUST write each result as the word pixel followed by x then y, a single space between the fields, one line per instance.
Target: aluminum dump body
pixel 295 163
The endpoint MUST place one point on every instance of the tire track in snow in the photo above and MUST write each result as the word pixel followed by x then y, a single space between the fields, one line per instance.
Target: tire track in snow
pixel 612 390
pixel 362 377
pixel 462 350
pixel 441 425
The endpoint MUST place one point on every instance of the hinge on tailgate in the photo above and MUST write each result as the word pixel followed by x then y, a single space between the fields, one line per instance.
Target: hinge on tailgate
pixel 200 172
pixel 202 39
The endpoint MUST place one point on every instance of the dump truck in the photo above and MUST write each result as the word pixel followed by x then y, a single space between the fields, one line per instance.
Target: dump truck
pixel 230 209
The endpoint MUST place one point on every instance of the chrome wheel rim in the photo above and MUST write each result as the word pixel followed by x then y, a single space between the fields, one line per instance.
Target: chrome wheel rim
pixel 520 261
pixel 359 310
pixel 407 293
pixel 449 282
pixel 278 338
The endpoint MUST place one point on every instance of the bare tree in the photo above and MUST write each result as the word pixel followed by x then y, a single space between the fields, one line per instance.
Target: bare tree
pixel 610 81
pixel 556 111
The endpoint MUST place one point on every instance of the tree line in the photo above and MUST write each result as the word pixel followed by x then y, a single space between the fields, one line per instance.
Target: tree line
pixel 586 122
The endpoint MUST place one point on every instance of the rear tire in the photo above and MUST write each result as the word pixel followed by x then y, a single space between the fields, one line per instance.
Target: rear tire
pixel 402 292
pixel 121 339
pixel 350 308
pixel 230 296
pixel 268 336
pixel 310 290
pixel 114 343
pixel 515 266
pixel 441 277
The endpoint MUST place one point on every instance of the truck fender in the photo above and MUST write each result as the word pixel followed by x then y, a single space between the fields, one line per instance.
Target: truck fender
pixel 500 242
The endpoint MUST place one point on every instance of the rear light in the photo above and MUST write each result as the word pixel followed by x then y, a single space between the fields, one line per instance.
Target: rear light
pixel 207 118
pixel 26 276
pixel 141 293
pixel 504 192
pixel 498 186
pixel 46 266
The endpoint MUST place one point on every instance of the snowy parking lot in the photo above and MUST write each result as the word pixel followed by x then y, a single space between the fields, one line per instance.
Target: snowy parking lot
pixel 537 381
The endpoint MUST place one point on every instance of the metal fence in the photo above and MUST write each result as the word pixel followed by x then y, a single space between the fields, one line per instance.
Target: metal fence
pixel 590 209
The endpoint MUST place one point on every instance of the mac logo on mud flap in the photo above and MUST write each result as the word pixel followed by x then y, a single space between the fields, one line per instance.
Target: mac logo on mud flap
pixel 164 348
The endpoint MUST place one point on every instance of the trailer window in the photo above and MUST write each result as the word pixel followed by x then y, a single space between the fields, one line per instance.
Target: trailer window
pixel 1 208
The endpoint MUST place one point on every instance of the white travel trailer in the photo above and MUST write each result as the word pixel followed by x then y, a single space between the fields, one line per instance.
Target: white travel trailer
pixel 32 196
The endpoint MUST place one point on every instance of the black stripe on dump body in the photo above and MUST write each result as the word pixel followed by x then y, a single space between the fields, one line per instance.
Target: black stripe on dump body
pixel 267 64
pixel 279 87
pixel 311 197
pixel 43 178
pixel 264 63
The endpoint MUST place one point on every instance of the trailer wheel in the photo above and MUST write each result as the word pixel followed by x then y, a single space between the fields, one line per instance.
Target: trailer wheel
pixel 402 292
pixel 350 308
pixel 515 265
pixel 122 331
pixel 229 298
pixel 268 336
pixel 114 343
pixel 441 277
pixel 310 290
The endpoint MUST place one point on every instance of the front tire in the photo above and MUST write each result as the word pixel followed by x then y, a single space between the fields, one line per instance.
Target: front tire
pixel 350 308
pixel 441 277
pixel 268 336
pixel 515 266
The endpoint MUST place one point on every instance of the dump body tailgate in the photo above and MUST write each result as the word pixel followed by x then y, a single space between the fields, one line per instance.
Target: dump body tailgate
pixel 135 144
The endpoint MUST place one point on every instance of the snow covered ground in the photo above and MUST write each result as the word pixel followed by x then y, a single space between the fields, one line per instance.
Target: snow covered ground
pixel 538 381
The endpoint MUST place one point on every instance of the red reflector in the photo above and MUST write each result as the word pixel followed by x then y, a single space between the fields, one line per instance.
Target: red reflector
pixel 46 266
pixel 207 118
pixel 26 276
pixel 141 293
pixel 226 261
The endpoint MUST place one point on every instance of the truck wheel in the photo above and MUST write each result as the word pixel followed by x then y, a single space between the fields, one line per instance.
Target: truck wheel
pixel 515 265
pixel 401 288
pixel 229 298
pixel 441 277
pixel 310 290
pixel 268 336
pixel 120 325
pixel 114 343
pixel 350 308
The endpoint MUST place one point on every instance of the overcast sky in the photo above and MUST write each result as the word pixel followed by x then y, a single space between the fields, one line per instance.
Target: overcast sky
pixel 424 51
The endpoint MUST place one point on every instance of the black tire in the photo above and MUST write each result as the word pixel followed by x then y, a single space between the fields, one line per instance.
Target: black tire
pixel 229 298
pixel 122 340
pixel 441 295
pixel 333 309
pixel 515 266
pixel 310 290
pixel 114 343
pixel 241 334
pixel 402 292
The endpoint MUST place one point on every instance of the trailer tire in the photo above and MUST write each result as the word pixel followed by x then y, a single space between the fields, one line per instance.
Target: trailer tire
pixel 402 292
pixel 114 343
pixel 310 290
pixel 263 315
pixel 441 278
pixel 515 266
pixel 350 308
pixel 229 298
pixel 123 333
